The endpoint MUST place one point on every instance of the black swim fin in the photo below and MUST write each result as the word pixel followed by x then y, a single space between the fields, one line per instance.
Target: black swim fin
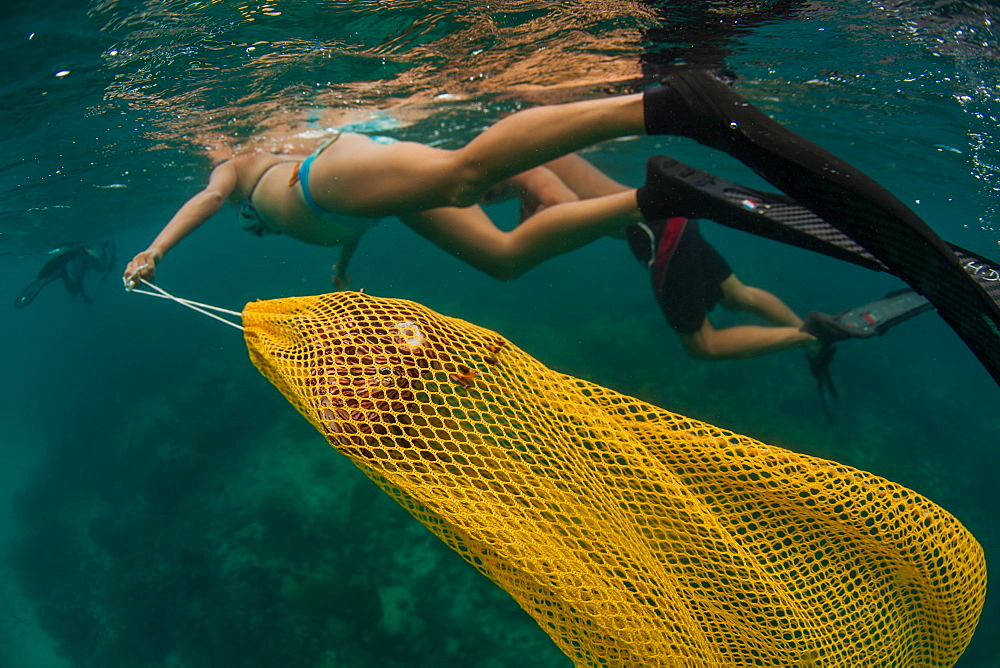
pixel 696 104
pixel 874 319
pixel 686 191
pixel 819 366
pixel 29 293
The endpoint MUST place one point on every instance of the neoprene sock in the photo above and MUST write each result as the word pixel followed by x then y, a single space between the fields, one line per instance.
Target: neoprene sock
pixel 655 195
pixel 827 330
pixel 666 112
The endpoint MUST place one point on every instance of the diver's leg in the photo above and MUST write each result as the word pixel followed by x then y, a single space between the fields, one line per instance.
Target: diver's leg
pixel 583 178
pixel 564 179
pixel 690 103
pixel 742 341
pixel 740 297
pixel 470 235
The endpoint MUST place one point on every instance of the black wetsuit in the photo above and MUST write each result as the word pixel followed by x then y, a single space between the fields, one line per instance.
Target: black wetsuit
pixel 687 273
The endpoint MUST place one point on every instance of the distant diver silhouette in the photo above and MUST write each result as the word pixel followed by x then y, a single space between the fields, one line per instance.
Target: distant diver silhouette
pixel 71 266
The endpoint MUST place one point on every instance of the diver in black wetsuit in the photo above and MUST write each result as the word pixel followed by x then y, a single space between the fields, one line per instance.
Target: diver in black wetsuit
pixel 689 277
pixel 964 287
pixel 71 266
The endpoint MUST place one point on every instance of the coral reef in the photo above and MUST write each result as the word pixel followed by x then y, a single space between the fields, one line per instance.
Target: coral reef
pixel 200 534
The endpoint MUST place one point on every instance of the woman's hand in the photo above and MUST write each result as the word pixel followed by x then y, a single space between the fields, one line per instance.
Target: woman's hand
pixel 142 265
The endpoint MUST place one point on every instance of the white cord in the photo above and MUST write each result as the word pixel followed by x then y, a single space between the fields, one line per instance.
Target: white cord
pixel 163 294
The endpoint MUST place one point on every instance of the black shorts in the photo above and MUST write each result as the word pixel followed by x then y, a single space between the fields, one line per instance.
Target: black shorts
pixel 691 282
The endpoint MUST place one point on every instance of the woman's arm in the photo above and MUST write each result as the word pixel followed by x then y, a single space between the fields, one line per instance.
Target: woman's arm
pixel 188 218
pixel 340 277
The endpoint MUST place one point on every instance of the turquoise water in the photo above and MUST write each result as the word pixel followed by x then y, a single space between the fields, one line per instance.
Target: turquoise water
pixel 164 506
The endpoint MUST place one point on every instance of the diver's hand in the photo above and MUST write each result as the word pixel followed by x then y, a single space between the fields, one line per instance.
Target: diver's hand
pixel 142 265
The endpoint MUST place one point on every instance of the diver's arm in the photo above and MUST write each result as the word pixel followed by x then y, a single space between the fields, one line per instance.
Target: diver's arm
pixel 188 218
pixel 340 278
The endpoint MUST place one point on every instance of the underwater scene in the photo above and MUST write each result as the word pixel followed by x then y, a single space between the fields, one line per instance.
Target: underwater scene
pixel 163 505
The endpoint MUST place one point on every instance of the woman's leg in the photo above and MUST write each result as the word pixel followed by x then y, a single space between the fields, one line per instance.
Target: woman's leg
pixel 358 177
pixel 470 235
pixel 533 137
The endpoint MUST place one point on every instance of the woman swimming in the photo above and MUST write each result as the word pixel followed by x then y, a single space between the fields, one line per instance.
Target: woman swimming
pixel 332 196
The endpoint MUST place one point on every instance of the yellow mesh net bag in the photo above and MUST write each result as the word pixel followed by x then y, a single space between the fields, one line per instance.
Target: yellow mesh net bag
pixel 633 536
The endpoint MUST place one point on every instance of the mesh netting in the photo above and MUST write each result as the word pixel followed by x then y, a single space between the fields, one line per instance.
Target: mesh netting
pixel 633 536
